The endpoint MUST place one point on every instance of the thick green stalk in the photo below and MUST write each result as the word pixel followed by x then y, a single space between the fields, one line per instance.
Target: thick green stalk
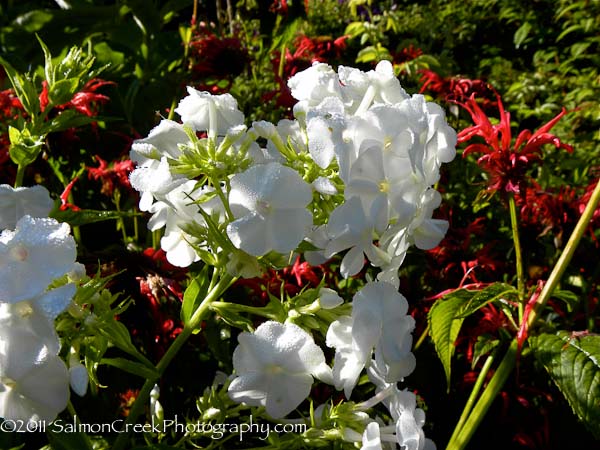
pixel 514 223
pixel 508 362
pixel 460 441
pixel 142 399
pixel 473 396
pixel 20 175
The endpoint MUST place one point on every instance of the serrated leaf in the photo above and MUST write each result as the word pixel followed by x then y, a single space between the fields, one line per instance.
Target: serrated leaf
pixel 574 365
pixel 487 295
pixel 444 326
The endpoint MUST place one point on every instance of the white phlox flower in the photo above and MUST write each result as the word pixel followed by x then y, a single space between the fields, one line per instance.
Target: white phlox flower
pixel 361 90
pixel 349 227
pixel 203 111
pixel 425 231
pixel 269 202
pixel 17 202
pixel 275 366
pixel 162 141
pixel 313 85
pixel 380 324
pixel 32 256
pixel 408 420
pixel 154 180
pixel 34 381
pixel 178 210
pixel 38 314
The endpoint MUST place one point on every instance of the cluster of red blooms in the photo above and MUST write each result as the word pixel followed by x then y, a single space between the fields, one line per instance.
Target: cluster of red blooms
pixel 506 163
pixel 281 7
pixel 307 50
pixel 291 279
pixel 457 89
pixel 85 101
pixel 112 176
pixel 161 289
pixel 213 59
pixel 456 262
pixel 10 109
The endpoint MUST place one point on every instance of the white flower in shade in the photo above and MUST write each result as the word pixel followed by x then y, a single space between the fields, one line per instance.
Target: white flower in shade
pixel 162 141
pixel 349 361
pixel 275 367
pixel 176 211
pixel 350 228
pixel 15 203
pixel 38 314
pixel 32 256
pixel 34 382
pixel 206 112
pixel 329 299
pixel 78 378
pixel 374 438
pixel 425 231
pixel 269 202
pixel 408 420
pixel 379 324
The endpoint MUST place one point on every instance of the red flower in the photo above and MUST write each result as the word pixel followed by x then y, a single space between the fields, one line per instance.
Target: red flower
pixel 213 56
pixel 64 198
pixel 114 176
pixel 507 165
pixel 87 100
pixel 84 101
pixel 455 89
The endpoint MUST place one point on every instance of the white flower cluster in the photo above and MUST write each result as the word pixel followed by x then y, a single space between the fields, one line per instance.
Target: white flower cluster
pixel 34 251
pixel 354 173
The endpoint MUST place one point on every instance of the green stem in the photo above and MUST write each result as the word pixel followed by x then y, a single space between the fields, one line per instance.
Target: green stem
pixel 508 362
pixel 20 175
pixel 514 222
pixel 473 396
pixel 465 434
pixel 142 398
pixel 422 338
pixel 86 439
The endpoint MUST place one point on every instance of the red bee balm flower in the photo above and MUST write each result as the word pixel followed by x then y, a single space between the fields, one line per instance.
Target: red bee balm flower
pixel 506 165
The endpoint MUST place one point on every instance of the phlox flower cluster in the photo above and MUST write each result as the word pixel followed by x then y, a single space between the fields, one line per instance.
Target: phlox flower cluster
pixel 353 173
pixel 34 251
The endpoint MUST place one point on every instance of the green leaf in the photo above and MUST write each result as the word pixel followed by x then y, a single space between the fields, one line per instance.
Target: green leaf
pixel 574 365
pixel 521 34
pixel 487 295
pixel 48 66
pixel 132 367
pixel 63 91
pixel 118 335
pixel 193 295
pixel 86 216
pixel 66 119
pixel 24 88
pixel 444 326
